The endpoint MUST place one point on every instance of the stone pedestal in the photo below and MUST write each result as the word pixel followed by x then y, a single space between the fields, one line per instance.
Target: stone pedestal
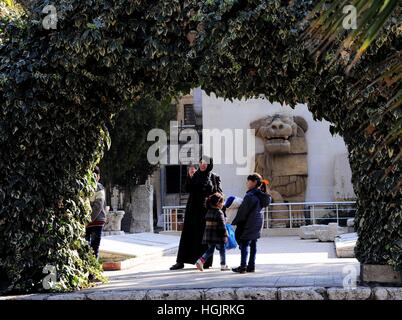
pixel 141 209
pixel 113 223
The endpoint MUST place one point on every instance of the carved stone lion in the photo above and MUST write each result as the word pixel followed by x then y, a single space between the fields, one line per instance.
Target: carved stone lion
pixel 284 161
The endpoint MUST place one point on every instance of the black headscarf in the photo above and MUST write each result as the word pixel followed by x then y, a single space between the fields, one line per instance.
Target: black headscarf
pixel 202 179
pixel 210 166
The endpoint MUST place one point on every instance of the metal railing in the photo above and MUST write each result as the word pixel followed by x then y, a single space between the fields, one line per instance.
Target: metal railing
pixel 296 214
pixel 281 215
pixel 173 218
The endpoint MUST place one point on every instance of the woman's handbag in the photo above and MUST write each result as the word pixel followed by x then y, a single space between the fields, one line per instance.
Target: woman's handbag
pixel 232 243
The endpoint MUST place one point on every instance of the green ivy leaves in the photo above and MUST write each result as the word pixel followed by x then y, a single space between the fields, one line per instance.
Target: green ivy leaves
pixel 60 89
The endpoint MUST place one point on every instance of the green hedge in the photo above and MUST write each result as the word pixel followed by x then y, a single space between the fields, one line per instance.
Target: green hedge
pixel 59 90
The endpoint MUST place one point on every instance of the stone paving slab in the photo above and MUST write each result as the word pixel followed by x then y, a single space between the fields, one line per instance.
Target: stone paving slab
pixel 138 244
pixel 282 262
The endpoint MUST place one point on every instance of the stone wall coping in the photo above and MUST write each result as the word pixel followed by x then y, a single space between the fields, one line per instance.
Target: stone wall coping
pixel 246 293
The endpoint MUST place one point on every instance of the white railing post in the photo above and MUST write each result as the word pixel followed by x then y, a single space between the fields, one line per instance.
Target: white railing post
pixel 169 219
pixel 290 216
pixel 171 224
pixel 267 216
pixel 337 214
pixel 313 214
pixel 165 219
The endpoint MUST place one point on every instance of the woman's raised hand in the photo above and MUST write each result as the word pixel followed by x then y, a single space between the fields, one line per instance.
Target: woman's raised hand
pixel 191 171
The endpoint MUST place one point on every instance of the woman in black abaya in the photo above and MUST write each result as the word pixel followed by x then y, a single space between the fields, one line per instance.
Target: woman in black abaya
pixel 200 185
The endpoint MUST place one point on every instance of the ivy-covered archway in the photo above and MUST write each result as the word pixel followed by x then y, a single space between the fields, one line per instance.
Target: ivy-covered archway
pixel 59 88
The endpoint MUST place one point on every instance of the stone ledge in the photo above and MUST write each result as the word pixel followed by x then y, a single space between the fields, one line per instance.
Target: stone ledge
pixel 390 293
pixel 188 294
pixel 359 293
pixel 252 293
pixel 302 293
pixel 220 294
pixel 257 293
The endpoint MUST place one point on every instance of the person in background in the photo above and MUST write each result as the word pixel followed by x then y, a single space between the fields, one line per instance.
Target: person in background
pixel 249 222
pixel 215 235
pixel 231 207
pixel 98 216
pixel 232 203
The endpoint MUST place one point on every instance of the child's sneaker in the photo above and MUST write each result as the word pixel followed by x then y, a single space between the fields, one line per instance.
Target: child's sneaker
pixel 200 265
pixel 225 268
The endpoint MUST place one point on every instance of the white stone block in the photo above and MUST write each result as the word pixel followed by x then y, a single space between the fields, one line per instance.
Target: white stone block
pixel 345 245
pixel 323 235
pixel 308 232
pixel 330 232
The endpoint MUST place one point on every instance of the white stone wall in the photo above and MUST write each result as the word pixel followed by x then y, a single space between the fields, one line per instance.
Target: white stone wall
pixel 323 148
pixel 343 189
pixel 197 96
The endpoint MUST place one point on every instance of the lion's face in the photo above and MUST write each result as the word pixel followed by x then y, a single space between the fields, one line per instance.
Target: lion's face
pixel 276 132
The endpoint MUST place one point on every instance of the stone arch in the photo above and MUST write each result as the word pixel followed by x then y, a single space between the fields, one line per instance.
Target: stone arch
pixel 59 88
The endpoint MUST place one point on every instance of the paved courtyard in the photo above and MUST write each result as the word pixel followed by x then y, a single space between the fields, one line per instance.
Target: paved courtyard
pixel 281 262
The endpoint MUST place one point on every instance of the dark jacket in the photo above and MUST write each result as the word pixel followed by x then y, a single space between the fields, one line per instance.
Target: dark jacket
pixel 215 227
pixel 249 218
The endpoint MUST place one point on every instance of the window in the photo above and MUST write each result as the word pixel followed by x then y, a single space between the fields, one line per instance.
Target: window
pixel 173 178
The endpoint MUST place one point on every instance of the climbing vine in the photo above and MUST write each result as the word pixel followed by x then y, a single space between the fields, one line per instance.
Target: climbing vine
pixel 60 88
